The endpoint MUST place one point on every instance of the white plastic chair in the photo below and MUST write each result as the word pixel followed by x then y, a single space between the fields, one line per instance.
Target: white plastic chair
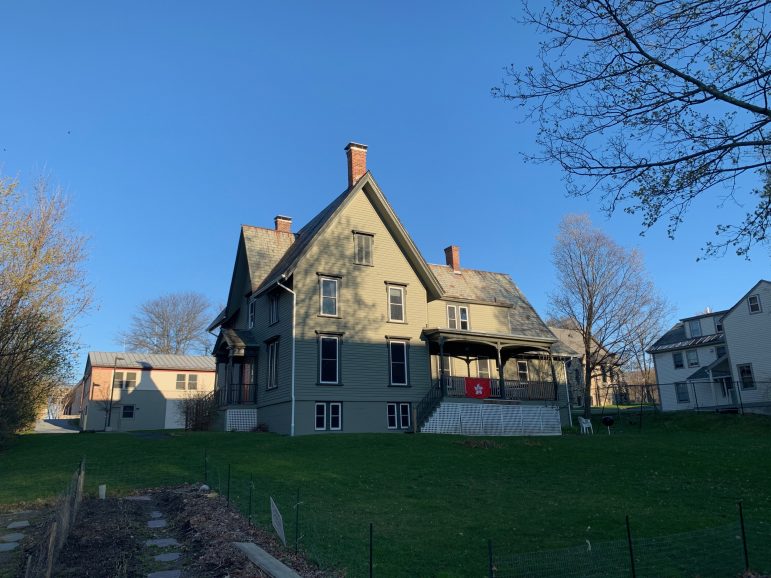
pixel 586 425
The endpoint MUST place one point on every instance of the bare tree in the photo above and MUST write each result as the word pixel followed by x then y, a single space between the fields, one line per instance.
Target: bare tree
pixel 655 103
pixel 174 323
pixel 603 292
pixel 42 291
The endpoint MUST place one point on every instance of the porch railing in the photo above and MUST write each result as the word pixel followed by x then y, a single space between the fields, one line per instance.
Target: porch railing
pixel 426 405
pixel 237 393
pixel 513 389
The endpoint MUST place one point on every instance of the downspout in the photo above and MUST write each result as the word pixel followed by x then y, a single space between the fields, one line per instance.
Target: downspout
pixel 294 309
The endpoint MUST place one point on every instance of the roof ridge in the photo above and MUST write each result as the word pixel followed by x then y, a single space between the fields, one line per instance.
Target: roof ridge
pixel 470 269
pixel 244 226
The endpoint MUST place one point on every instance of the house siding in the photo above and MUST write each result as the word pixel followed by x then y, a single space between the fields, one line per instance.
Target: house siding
pixel 748 337
pixel 362 323
pixel 484 318
pixel 667 376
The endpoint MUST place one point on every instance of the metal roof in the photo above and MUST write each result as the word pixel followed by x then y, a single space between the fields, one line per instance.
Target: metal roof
pixel 126 360
pixel 675 339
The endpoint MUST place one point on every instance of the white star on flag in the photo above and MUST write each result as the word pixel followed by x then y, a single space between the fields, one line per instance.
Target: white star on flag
pixel 478 389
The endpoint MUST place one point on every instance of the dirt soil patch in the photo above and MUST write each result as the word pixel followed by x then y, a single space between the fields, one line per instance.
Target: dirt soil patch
pixel 109 538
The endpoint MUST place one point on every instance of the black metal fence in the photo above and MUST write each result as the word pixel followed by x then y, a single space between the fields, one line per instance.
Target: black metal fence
pixel 729 550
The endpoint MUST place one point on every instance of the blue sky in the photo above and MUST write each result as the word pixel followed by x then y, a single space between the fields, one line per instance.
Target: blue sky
pixel 169 124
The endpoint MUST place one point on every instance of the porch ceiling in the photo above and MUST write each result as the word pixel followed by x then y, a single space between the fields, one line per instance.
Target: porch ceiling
pixel 472 343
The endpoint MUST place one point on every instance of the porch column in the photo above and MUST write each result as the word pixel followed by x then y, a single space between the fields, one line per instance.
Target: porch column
pixel 554 378
pixel 228 377
pixel 442 384
pixel 501 381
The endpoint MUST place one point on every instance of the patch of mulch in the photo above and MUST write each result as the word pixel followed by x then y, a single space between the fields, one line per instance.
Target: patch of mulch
pixel 106 541
pixel 209 525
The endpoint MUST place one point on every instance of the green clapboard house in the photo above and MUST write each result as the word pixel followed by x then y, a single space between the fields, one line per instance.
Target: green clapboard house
pixel 343 326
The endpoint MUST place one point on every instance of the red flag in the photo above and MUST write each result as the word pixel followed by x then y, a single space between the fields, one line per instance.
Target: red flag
pixel 478 387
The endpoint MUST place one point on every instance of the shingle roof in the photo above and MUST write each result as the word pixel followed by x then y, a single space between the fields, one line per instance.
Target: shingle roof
pixel 265 248
pixel 570 340
pixel 127 360
pixel 302 240
pixel 489 287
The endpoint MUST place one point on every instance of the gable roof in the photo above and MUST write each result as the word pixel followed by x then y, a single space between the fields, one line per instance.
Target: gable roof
pixel 747 294
pixel 574 341
pixel 127 360
pixel 494 288
pixel 305 237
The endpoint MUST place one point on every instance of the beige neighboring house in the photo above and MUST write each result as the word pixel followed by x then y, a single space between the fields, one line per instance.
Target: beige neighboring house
pixel 342 326
pixel 138 391
pixel 605 378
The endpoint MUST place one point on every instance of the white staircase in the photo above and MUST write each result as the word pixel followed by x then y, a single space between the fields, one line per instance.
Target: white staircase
pixel 487 419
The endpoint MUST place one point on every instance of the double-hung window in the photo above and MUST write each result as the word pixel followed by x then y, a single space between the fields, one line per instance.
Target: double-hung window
pixel 396 303
pixel 181 381
pixel 398 415
pixel 483 367
pixel 397 352
pixel 362 248
pixel 329 416
pixel 695 327
pixel 273 308
pixel 272 381
pixel 745 375
pixel 252 312
pixel 457 317
pixel 329 355
pixel 681 391
pixel 677 359
pixel 120 382
pixel 692 356
pixel 753 301
pixel 328 287
pixel 127 412
pixel 522 370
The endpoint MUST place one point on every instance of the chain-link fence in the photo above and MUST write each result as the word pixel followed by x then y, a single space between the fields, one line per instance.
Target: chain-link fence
pixel 727 550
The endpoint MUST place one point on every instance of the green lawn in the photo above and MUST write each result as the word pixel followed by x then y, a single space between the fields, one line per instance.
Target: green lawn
pixel 434 500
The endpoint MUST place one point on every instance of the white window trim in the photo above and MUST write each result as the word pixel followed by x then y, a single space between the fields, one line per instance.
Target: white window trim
pixel 461 309
pixel 688 361
pixel 336 296
pixel 395 407
pixel 356 259
pixel 739 375
pixel 487 362
pixel 409 417
pixel 339 415
pixel 322 337
pixel 323 405
pixel 749 304
pixel 521 363
pixel 691 323
pixel 455 314
pixel 402 303
pixel 133 411
pixel 682 360
pixel 183 382
pixel 192 377
pixel 391 362
pixel 687 393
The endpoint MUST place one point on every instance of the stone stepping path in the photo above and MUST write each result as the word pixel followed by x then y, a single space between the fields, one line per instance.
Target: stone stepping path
pixel 12 540
pixel 158 522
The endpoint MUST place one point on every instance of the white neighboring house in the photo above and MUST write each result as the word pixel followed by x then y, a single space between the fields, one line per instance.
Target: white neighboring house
pixel 700 361
pixel 748 330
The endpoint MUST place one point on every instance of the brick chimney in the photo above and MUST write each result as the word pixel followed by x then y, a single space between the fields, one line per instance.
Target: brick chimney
pixel 452 257
pixel 283 224
pixel 357 162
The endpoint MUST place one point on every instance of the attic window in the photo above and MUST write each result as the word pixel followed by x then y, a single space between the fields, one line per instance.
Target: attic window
pixel 362 248
pixel 754 303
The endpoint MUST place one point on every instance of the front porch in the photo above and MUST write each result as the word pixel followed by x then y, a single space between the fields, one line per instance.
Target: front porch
pixel 513 390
